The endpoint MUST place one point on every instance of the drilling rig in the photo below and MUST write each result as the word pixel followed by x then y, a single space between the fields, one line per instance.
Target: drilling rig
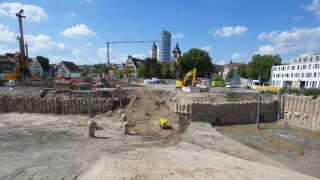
pixel 22 71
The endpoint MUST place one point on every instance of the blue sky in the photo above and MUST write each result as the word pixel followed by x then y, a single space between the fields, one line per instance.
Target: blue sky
pixel 227 29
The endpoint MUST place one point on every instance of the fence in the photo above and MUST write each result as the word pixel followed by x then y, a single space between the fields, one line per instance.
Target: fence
pixel 55 105
pixel 228 112
pixel 302 111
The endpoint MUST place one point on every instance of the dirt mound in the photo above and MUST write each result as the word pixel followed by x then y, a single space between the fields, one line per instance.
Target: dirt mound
pixel 144 110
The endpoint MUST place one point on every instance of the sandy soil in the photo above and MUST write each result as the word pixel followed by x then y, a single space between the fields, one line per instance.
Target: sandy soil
pixel 34 146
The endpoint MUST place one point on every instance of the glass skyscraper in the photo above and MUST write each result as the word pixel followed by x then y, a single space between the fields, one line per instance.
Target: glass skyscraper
pixel 165 46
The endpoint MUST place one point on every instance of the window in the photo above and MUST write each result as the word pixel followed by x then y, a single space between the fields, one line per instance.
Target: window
pixel 304 59
pixel 310 59
pixel 302 75
pixel 314 74
pixel 299 59
pixel 317 59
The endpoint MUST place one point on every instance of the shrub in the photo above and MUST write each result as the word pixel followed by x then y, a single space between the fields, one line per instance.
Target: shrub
pixel 306 92
pixel 230 97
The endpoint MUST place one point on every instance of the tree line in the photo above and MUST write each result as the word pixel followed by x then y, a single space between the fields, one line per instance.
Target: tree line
pixel 258 68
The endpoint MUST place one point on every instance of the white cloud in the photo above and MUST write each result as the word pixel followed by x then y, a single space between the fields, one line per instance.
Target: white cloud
pixel 296 39
pixel 32 12
pixel 222 62
pixel 139 56
pixel 72 14
pixel 6 36
pixel 229 31
pixel 80 31
pixel 238 56
pixel 43 44
pixel 265 35
pixel 177 36
pixel 206 48
pixel 266 50
pixel 297 18
pixel 87 44
pixel 103 52
pixel 313 7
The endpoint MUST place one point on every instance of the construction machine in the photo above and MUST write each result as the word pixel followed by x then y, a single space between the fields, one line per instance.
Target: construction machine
pixel 187 79
pixel 21 71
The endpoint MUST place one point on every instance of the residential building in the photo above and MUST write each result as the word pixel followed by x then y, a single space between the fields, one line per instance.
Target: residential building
pixel 302 72
pixel 133 64
pixel 67 69
pixel 228 67
pixel 6 66
pixel 165 46
pixel 154 51
pixel 35 68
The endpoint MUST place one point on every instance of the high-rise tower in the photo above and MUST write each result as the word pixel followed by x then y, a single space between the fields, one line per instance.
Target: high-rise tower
pixel 165 46
pixel 154 51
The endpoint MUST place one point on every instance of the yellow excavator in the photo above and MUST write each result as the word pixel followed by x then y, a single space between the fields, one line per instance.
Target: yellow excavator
pixel 186 79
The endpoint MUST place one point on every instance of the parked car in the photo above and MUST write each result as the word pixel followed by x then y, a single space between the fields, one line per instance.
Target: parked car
pixel 229 85
pixel 218 84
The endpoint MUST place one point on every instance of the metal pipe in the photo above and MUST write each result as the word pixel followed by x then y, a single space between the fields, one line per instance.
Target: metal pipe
pixel 258 112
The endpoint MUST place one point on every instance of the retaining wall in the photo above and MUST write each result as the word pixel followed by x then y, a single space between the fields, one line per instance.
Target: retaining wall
pixel 228 112
pixel 55 105
pixel 302 111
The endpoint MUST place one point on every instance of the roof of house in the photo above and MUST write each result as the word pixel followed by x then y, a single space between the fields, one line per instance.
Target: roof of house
pixel 135 61
pixel 69 65
pixel 233 65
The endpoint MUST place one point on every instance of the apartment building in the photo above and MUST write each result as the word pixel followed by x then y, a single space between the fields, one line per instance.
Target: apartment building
pixel 302 72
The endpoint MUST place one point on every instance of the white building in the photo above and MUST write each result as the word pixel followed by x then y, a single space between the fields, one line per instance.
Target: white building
pixel 133 64
pixel 302 72
pixel 67 69
pixel 35 68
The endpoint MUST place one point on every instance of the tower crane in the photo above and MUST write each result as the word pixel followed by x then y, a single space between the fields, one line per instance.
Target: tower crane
pixel 123 42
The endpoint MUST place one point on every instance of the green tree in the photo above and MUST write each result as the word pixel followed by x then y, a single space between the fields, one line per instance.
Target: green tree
pixel 221 70
pixel 165 69
pixel 260 66
pixel 126 70
pixel 140 70
pixel 44 62
pixel 195 58
pixel 85 71
pixel 230 74
pixel 242 70
pixel 151 68
pixel 96 68
pixel 104 69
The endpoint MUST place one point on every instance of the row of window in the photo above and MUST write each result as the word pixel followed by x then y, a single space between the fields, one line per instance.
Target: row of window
pixel 308 84
pixel 296 75
pixel 306 59
pixel 6 66
pixel 298 67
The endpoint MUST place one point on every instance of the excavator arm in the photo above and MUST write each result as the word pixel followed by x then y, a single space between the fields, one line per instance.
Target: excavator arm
pixel 192 73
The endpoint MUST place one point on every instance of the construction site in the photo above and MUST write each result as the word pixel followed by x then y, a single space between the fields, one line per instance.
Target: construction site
pixel 42 138
pixel 69 128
